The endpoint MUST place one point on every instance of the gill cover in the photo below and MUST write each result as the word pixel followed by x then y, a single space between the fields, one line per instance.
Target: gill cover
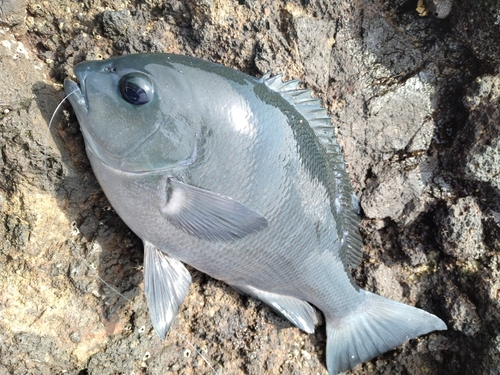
pixel 131 115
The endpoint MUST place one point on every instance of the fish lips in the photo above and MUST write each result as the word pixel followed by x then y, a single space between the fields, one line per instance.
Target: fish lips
pixel 76 95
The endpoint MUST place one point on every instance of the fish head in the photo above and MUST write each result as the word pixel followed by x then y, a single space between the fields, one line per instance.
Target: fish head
pixel 134 112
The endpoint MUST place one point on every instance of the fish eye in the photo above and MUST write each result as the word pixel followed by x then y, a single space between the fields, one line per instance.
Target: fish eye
pixel 136 88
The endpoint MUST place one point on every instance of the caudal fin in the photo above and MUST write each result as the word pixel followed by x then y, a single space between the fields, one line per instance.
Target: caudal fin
pixel 378 325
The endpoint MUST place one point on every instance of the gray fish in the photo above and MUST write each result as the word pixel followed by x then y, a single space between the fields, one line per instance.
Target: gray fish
pixel 243 179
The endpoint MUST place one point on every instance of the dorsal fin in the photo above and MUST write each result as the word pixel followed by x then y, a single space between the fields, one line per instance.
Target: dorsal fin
pixel 347 204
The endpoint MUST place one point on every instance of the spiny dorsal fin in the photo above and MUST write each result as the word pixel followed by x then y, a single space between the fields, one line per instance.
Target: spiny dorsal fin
pixel 347 205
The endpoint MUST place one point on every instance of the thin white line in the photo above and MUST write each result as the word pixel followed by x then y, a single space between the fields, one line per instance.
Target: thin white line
pixel 47 185
pixel 129 300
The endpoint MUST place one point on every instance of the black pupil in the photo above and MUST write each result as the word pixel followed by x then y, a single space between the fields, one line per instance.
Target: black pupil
pixel 136 88
pixel 134 94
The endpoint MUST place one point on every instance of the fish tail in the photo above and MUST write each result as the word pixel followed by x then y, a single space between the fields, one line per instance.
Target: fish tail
pixel 378 325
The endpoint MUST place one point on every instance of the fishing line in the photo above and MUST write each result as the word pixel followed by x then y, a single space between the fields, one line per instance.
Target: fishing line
pixel 47 185
pixel 89 266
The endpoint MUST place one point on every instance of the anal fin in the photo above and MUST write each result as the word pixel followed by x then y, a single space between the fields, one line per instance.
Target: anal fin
pixel 299 312
pixel 166 284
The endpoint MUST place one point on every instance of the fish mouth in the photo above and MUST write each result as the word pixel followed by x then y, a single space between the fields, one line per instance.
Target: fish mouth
pixel 76 94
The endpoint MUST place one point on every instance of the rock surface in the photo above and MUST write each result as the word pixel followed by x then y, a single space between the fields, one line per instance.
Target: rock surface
pixel 415 101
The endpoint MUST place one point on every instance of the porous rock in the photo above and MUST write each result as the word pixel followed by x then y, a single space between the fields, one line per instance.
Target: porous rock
pixel 462 232
pixel 415 104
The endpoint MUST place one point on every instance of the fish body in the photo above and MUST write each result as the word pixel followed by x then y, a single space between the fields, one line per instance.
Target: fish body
pixel 241 178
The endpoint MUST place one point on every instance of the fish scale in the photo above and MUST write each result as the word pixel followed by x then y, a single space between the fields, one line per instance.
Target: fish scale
pixel 243 179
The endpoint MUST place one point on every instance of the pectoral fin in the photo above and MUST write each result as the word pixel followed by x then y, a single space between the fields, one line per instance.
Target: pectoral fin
pixel 166 284
pixel 209 215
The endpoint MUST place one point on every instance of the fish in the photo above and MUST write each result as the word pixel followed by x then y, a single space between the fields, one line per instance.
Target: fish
pixel 243 179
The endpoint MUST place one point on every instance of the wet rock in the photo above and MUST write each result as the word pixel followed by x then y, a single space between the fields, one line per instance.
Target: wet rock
pixel 463 314
pixel 462 231
pixel 483 161
pixel 423 159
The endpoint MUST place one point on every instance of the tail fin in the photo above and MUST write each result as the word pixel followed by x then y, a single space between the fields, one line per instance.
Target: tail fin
pixel 377 326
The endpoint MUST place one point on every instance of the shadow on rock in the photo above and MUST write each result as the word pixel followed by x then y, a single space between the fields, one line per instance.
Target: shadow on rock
pixel 102 253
